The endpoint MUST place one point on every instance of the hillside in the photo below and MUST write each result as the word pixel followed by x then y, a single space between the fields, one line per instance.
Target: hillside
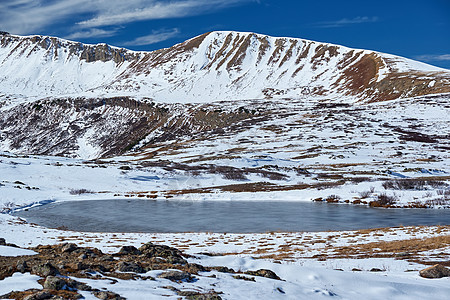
pixel 210 67
pixel 297 116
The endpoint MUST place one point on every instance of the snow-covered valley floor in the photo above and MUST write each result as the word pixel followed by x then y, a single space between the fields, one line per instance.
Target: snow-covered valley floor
pixel 365 264
pixel 392 154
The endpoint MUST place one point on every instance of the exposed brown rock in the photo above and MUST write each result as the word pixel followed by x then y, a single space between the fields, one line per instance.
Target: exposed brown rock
pixel 436 271
pixel 105 295
pixel 39 296
pixel 264 273
pixel 193 295
pixel 176 276
pixel 172 255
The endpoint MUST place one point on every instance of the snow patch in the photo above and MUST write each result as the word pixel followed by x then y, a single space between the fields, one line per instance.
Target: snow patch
pixel 13 251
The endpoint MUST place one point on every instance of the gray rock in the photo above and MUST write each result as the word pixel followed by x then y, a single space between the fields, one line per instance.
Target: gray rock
pixel 82 266
pixel 124 266
pixel 129 250
pixel 82 256
pixel 376 270
pixel 38 296
pixel 107 258
pixel 436 271
pixel 2 242
pixel 54 283
pixel 68 247
pixel 44 270
pixel 22 266
pixel 193 295
pixel 105 295
pixel 176 276
pixel 81 286
pixel 84 253
pixel 264 273
pixel 171 255
pixel 223 269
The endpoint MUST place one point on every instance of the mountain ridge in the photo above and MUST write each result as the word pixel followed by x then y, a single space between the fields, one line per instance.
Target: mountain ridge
pixel 219 65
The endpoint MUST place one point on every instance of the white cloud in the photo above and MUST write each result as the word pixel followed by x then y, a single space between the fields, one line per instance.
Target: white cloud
pixel 346 22
pixel 158 10
pixel 155 37
pixel 433 57
pixel 95 32
pixel 30 16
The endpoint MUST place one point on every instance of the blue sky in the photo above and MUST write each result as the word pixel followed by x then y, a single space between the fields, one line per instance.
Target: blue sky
pixel 415 29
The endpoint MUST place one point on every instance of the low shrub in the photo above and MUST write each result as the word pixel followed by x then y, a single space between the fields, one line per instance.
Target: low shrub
pixel 366 194
pixel 445 193
pixel 412 184
pixel 385 199
pixel 80 191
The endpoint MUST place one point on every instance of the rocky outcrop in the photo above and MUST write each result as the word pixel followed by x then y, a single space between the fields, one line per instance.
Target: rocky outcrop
pixel 170 254
pixel 106 126
pixel 61 265
pixel 52 46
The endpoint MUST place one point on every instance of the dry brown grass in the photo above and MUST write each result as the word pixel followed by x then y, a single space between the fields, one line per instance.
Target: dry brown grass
pixel 391 248
pixel 257 187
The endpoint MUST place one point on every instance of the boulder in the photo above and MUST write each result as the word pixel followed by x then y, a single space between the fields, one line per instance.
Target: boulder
pixel 107 258
pixel 124 266
pixel 264 273
pixel 193 295
pixel 44 270
pixel 436 271
pixel 76 285
pixel 39 296
pixel 22 266
pixel 2 242
pixel 172 255
pixel 129 250
pixel 195 268
pixel 377 270
pixel 176 276
pixel 54 283
pixel 223 269
pixel 105 295
pixel 87 253
pixel 68 247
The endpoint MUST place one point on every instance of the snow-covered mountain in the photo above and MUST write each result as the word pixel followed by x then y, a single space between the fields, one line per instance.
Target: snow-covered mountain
pixel 209 67
pixel 59 97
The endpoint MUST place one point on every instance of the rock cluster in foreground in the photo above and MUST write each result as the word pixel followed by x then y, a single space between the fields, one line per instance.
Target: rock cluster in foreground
pixel 56 263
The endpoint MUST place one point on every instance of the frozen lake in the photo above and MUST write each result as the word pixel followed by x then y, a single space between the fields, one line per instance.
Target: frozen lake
pixel 223 216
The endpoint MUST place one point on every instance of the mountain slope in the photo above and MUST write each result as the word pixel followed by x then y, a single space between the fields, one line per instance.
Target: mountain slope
pixel 213 66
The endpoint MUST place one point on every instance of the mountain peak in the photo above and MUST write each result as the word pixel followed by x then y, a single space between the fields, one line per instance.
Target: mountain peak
pixel 218 65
